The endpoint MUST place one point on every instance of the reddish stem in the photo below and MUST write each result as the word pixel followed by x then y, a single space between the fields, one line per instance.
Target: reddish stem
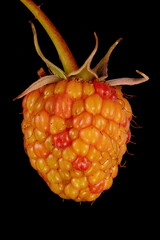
pixel 65 55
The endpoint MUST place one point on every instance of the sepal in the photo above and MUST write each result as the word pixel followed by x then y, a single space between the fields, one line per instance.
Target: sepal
pixel 101 69
pixel 128 81
pixel 53 68
pixel 38 84
pixel 85 72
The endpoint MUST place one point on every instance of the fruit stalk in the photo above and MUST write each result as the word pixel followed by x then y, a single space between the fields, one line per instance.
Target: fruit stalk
pixel 65 55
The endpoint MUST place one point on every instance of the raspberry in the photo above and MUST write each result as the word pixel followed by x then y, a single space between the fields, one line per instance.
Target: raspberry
pixel 76 149
pixel 76 124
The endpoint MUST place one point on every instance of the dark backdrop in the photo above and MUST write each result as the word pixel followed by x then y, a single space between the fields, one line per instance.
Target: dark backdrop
pixel 134 194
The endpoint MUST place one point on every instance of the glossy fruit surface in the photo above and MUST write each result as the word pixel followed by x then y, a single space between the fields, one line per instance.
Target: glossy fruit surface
pixel 75 135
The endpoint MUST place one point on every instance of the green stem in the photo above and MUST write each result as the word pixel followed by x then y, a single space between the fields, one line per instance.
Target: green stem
pixel 65 55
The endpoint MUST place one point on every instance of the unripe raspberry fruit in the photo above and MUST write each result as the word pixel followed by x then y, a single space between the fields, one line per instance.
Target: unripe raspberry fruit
pixel 76 124
pixel 76 151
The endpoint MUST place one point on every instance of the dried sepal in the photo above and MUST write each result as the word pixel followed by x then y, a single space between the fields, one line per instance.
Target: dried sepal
pixel 101 69
pixel 38 84
pixel 53 68
pixel 85 70
pixel 128 81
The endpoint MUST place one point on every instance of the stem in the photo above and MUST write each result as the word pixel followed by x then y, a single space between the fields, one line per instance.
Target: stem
pixel 65 55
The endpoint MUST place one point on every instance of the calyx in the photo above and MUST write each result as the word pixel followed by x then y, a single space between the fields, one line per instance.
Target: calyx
pixel 71 69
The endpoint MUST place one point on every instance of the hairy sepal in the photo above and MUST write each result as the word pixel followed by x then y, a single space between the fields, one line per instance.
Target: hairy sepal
pixel 53 68
pixel 101 69
pixel 85 72
pixel 38 84
pixel 128 81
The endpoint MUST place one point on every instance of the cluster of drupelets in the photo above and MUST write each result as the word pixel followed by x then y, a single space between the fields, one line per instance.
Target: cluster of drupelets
pixel 75 134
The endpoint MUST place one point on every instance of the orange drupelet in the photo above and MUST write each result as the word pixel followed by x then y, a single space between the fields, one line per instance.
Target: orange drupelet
pixel 75 134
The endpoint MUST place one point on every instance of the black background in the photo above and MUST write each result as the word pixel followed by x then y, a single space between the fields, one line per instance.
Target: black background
pixel 134 194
